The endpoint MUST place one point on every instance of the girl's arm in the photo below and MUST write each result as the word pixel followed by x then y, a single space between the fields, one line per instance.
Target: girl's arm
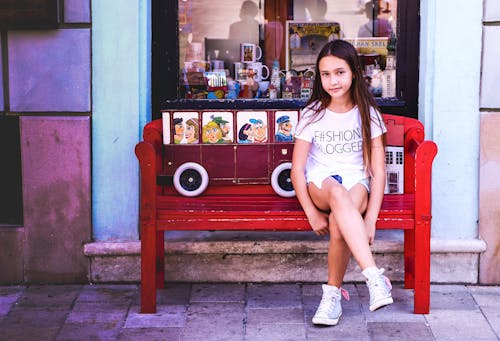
pixel 317 219
pixel 377 186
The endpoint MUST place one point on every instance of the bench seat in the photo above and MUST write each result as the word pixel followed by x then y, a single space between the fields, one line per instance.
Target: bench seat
pixel 265 211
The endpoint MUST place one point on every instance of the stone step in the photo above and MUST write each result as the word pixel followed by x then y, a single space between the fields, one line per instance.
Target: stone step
pixel 223 256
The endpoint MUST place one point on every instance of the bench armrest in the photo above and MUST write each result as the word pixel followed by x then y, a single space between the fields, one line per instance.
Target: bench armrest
pixel 422 153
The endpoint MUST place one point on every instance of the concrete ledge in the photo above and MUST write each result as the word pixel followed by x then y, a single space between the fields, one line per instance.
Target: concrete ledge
pixel 272 257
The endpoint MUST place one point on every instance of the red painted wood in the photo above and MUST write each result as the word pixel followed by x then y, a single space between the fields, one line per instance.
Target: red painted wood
pixel 256 207
pixel 147 218
pixel 409 258
pixel 160 259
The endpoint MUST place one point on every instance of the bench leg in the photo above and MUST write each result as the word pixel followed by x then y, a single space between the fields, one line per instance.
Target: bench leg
pixel 409 258
pixel 148 269
pixel 422 268
pixel 160 259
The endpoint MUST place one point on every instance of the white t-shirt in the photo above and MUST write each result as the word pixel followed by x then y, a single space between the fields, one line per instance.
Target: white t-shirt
pixel 337 144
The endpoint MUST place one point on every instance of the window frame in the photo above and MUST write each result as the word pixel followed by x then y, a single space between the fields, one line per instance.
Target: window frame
pixel 165 66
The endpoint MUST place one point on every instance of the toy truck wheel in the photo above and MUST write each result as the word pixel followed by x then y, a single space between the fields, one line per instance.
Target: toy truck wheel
pixel 281 181
pixel 190 179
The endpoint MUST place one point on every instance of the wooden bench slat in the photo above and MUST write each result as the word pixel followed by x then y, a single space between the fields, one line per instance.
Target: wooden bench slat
pixel 261 212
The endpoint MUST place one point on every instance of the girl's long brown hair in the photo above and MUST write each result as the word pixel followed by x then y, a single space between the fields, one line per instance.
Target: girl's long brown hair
pixel 360 94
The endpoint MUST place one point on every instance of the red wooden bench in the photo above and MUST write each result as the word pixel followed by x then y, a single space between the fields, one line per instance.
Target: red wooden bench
pixel 257 207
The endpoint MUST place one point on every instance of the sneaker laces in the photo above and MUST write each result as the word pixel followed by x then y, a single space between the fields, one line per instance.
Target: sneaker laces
pixel 380 284
pixel 325 304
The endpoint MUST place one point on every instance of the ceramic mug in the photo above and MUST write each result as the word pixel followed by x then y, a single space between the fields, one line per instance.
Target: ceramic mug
pixel 250 53
pixel 259 68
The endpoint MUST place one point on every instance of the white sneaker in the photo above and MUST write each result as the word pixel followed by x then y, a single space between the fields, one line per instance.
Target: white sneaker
pixel 330 309
pixel 379 287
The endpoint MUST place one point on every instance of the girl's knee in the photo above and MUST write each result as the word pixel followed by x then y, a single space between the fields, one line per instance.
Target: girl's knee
pixel 337 194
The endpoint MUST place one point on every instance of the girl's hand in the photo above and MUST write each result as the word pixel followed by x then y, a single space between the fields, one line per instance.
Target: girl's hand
pixel 319 222
pixel 370 230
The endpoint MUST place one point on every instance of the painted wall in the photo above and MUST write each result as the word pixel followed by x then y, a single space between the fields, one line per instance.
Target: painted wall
pixel 450 60
pixel 47 84
pixel 120 106
pixel 489 209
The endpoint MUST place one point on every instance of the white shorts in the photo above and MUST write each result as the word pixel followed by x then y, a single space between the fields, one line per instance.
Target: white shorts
pixel 347 181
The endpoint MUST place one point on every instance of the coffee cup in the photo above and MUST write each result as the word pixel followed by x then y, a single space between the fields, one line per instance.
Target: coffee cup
pixel 250 53
pixel 261 71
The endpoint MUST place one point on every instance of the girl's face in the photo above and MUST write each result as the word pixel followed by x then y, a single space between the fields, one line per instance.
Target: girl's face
pixel 336 77
pixel 190 132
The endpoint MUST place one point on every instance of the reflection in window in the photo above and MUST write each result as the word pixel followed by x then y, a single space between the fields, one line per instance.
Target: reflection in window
pixel 226 47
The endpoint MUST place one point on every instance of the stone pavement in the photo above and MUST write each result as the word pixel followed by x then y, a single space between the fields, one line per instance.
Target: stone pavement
pixel 234 312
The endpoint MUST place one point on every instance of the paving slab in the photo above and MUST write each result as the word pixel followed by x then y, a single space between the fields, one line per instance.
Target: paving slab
pixel 107 293
pixel 17 333
pixel 275 332
pixel 151 334
pixel 241 311
pixel 273 295
pixel 172 294
pixel 460 324
pixel 397 331
pixel 94 331
pixel 210 320
pixel 454 297
pixel 274 316
pixel 218 293
pixel 492 315
pixel 54 297
pixel 165 316
pixel 485 296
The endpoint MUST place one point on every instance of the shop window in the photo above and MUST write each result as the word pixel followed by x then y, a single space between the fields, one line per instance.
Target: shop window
pixel 262 50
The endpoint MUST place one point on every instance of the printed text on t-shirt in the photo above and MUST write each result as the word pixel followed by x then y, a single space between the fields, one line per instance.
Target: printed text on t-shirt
pixel 346 141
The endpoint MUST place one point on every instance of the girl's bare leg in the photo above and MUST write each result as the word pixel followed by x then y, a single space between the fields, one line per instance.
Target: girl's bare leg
pixel 338 257
pixel 338 251
pixel 345 209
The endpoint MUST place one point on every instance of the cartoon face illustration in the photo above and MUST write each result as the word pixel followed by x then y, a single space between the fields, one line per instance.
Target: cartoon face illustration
pixel 259 130
pixel 246 133
pixel 192 130
pixel 178 130
pixel 225 129
pixel 252 126
pixel 284 131
pixel 212 133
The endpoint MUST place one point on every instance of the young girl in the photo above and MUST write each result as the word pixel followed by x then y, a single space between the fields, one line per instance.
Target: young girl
pixel 338 173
